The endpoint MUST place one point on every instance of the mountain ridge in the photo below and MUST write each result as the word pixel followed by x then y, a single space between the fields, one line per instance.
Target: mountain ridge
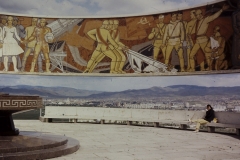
pixel 155 91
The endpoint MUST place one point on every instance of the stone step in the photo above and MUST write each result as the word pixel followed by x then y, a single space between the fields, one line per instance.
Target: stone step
pixel 36 146
pixel 30 141
pixel 70 147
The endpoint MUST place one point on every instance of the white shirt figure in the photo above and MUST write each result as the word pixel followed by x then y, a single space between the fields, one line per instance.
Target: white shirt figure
pixel 10 45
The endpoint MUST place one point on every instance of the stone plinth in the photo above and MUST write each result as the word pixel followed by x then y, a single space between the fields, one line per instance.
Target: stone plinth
pixel 36 145
pixel 10 104
pixel 28 145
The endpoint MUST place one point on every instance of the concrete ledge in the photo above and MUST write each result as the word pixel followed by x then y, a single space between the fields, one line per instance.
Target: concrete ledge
pixel 222 125
pixel 102 121
pixel 156 118
pixel 238 131
pixel 129 122
pixel 211 127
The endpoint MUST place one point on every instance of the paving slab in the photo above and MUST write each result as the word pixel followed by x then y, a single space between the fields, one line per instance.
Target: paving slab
pixel 123 142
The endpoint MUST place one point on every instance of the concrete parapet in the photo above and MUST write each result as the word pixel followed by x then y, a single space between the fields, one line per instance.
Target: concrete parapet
pixel 153 116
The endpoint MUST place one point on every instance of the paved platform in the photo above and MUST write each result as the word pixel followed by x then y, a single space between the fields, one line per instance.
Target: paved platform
pixel 122 142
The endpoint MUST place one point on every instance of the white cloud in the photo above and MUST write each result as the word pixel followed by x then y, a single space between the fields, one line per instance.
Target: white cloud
pixel 44 7
pixel 123 7
pixel 93 7
pixel 110 8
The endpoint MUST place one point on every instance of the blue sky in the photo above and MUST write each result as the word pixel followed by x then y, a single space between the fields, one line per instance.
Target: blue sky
pixel 100 8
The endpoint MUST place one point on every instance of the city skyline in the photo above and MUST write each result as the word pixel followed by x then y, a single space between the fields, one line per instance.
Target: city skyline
pixel 112 84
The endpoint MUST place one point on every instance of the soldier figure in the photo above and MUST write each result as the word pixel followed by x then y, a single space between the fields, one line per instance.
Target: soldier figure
pixel 184 44
pixel 113 29
pixel 173 38
pixel 190 31
pixel 201 38
pixel 104 39
pixel 216 47
pixel 115 35
pixel 40 34
pixel 157 36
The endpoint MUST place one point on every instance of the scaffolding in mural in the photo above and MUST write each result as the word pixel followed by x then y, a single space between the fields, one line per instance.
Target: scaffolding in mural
pixel 57 53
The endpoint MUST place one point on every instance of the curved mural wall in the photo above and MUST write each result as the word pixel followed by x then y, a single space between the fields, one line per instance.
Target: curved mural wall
pixel 202 40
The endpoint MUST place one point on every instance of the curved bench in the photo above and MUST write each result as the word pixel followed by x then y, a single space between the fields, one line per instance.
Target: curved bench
pixel 225 120
pixel 157 117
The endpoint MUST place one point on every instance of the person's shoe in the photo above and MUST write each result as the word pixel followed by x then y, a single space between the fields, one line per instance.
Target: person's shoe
pixel 196 131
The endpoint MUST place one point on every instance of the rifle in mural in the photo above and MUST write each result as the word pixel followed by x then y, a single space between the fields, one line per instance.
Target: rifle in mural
pixel 143 64
pixel 74 45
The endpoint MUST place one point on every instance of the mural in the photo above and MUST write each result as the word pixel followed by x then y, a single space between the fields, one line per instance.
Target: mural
pixel 202 39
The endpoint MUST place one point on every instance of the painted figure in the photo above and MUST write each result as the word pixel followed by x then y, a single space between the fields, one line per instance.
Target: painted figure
pixel 201 38
pixel 10 45
pixel 216 47
pixel 115 35
pixel 190 31
pixel 2 24
pixel 121 58
pixel 173 39
pixel 3 21
pixel 104 39
pixel 1 44
pixel 42 35
pixel 30 46
pixel 184 43
pixel 157 36
pixel 20 29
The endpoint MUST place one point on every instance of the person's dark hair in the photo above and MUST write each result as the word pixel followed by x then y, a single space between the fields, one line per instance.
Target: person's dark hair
pixel 209 106
pixel 174 13
pixel 180 12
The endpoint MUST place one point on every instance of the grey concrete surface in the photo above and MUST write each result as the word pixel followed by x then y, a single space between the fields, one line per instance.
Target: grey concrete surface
pixel 123 142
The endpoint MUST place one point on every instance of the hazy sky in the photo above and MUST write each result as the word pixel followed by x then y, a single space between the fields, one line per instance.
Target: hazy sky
pixel 119 83
pixel 94 7
pixel 109 8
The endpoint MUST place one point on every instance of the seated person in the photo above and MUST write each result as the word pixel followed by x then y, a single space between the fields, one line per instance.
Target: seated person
pixel 208 118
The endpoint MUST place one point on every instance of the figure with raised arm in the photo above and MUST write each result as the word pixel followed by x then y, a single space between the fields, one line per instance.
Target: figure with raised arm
pixel 201 28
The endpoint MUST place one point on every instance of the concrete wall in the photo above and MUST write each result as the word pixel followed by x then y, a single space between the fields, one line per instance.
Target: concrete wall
pixel 147 115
